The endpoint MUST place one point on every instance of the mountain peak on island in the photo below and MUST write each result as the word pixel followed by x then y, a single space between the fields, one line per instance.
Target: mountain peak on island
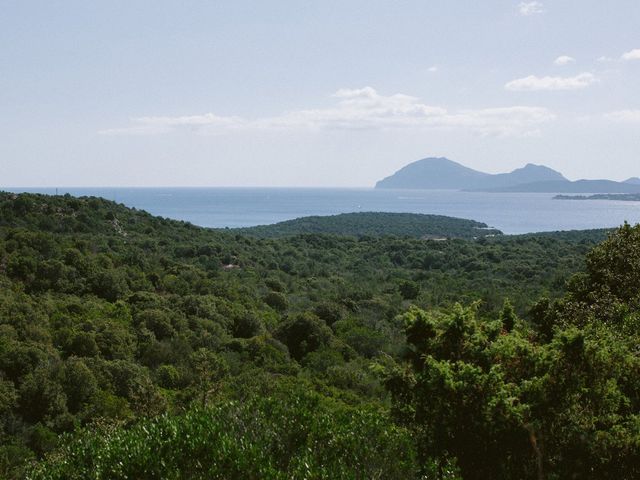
pixel 533 173
pixel 433 173
pixel 532 167
pixel 442 173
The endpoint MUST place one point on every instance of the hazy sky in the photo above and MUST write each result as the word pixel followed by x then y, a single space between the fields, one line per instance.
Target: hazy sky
pixel 313 93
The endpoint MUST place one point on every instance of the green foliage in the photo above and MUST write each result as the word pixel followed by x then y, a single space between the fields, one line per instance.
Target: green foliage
pixel 508 316
pixel 209 369
pixel 502 400
pixel 276 300
pixel 304 333
pixel 329 312
pixel 409 290
pixel 376 224
pixel 609 290
pixel 109 316
pixel 293 435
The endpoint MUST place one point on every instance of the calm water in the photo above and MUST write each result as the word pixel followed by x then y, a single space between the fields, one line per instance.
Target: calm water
pixel 239 207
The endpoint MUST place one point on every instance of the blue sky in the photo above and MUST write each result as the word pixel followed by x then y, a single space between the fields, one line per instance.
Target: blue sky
pixel 313 93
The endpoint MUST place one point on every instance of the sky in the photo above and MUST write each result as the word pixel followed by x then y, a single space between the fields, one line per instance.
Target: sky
pixel 332 93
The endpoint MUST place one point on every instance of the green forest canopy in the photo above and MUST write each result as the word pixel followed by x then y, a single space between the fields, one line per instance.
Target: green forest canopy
pixel 138 337
pixel 377 224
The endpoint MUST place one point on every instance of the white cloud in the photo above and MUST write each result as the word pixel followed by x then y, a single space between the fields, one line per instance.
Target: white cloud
pixel 533 82
pixel 631 54
pixel 433 69
pixel 627 56
pixel 626 116
pixel 564 60
pixel 357 109
pixel 530 8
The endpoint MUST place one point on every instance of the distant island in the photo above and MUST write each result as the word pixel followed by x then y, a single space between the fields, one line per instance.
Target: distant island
pixel 444 174
pixel 625 197
pixel 376 224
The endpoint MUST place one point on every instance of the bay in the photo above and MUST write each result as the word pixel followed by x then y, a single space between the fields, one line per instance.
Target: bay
pixel 513 213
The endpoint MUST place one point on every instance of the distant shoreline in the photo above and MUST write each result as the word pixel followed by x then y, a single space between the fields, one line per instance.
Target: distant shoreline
pixel 626 197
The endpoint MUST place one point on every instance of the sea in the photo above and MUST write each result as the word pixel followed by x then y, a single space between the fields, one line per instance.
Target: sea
pixel 512 213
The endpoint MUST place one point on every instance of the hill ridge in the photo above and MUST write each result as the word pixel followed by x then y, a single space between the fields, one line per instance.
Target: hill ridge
pixel 359 224
pixel 440 173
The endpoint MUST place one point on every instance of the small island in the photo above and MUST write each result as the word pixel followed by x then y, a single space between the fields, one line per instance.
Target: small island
pixel 626 197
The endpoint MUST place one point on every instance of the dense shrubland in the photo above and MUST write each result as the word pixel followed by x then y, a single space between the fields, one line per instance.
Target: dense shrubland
pixel 292 433
pixel 556 397
pixel 142 347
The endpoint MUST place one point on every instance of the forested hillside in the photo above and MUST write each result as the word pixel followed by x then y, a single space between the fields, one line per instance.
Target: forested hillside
pixel 377 224
pixel 138 347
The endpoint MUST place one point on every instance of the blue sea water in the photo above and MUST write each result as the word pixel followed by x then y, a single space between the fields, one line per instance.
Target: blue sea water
pixel 512 213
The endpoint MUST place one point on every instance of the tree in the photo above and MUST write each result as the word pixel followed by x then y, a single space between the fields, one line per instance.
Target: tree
pixel 501 405
pixel 303 333
pixel 508 316
pixel 79 383
pixel 42 397
pixel 461 406
pixel 210 369
pixel 276 300
pixel 84 344
pixel 408 289
pixel 330 312
pixel 247 326
pixel 609 290
pixel 8 400
pixel 157 321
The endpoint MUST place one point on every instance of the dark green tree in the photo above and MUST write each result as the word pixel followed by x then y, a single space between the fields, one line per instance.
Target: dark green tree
pixel 303 333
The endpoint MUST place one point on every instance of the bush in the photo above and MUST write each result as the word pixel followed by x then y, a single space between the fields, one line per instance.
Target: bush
pixel 408 289
pixel 303 333
pixel 276 300
pixel 295 435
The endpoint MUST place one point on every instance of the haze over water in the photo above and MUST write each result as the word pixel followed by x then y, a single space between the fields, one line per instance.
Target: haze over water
pixel 513 213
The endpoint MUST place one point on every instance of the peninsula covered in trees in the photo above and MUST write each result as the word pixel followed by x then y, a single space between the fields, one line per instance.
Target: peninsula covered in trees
pixel 133 346
pixel 624 197
pixel 378 224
